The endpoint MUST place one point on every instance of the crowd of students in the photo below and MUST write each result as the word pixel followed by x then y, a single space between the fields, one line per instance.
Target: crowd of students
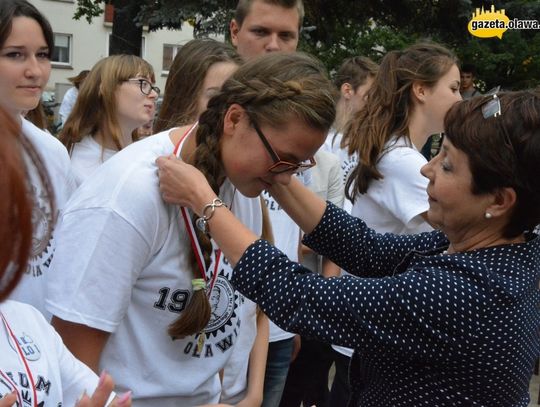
pixel 172 263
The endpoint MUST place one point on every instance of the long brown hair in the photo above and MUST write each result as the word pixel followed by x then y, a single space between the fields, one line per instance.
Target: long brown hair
pixel 186 78
pixel 274 88
pixel 389 105
pixel 95 108
pixel 16 203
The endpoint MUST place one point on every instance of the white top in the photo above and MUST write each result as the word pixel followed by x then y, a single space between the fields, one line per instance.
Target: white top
pixel 31 288
pixel 348 162
pixel 327 183
pixel 86 156
pixel 130 276
pixel 286 238
pixel 70 97
pixel 234 384
pixel 394 204
pixel 59 377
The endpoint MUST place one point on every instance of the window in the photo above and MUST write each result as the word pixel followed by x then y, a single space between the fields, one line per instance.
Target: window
pixel 169 52
pixel 143 45
pixel 62 49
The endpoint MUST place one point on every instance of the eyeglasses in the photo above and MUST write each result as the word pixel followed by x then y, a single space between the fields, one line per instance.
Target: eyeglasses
pixel 492 108
pixel 146 86
pixel 281 166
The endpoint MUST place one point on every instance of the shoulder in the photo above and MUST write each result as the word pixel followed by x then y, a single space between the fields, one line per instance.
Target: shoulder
pixel 44 142
pixel 400 156
pixel 17 312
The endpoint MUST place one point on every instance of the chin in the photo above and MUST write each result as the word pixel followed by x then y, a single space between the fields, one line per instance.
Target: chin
pixel 252 192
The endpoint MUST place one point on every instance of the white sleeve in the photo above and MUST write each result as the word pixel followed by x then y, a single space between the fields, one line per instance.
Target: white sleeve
pixel 98 258
pixel 403 188
pixel 76 376
pixel 336 193
pixel 67 103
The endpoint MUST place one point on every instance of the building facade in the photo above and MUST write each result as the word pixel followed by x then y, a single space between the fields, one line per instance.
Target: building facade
pixel 79 45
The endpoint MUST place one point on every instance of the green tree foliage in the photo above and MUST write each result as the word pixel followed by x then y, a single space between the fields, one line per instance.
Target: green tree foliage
pixel 336 29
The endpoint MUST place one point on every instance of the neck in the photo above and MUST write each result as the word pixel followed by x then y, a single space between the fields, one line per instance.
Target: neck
pixel 481 239
pixel 342 116
pixel 108 142
pixel 419 129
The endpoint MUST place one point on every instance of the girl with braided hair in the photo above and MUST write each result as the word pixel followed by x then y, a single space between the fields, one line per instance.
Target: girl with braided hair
pixel 119 306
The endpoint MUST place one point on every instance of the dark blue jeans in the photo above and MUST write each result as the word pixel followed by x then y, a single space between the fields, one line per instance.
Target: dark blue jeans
pixel 277 367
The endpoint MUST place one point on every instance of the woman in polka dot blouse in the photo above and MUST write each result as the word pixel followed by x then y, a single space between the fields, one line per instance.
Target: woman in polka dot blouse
pixel 442 318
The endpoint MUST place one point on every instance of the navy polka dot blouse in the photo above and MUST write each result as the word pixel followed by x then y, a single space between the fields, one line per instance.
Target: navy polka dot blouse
pixel 428 328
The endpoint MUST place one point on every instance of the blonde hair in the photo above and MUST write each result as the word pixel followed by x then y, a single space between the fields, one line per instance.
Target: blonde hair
pixel 274 89
pixel 96 108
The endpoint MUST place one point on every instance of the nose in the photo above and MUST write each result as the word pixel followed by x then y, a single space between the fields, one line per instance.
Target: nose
pixel 273 43
pixel 32 67
pixel 427 169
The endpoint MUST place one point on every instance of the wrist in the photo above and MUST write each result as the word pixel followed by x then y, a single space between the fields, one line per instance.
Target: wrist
pixel 207 213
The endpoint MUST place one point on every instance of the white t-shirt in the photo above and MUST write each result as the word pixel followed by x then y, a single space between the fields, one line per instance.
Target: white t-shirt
pixel 348 162
pixel 70 97
pixel 327 183
pixel 31 288
pixel 123 267
pixel 395 203
pixel 286 238
pixel 59 377
pixel 86 156
pixel 235 373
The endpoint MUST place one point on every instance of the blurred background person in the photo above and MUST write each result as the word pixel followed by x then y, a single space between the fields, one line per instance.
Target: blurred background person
pixel 70 97
pixel 117 97
pixel 468 78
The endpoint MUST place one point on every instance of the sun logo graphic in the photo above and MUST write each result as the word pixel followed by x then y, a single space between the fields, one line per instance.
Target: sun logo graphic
pixel 488 24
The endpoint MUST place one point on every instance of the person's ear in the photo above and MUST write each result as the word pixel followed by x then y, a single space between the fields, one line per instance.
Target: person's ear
pixel 234 28
pixel 232 118
pixel 346 90
pixel 419 91
pixel 504 200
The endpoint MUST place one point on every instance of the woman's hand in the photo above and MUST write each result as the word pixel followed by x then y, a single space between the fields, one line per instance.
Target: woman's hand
pixel 183 184
pixel 102 393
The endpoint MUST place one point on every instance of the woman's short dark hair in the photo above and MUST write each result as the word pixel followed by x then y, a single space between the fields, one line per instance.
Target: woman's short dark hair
pixel 503 151
pixel 9 9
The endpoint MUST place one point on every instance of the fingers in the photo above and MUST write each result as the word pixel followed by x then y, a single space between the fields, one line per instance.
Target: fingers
pixel 103 390
pixel 101 395
pixel 122 401
pixel 9 399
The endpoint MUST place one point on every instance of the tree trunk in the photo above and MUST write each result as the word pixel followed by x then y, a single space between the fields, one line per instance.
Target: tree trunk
pixel 126 37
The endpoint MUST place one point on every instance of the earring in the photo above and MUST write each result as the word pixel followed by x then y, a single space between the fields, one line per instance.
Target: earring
pixel 488 215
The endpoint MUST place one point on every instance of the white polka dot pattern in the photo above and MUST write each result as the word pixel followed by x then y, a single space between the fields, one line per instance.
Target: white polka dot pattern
pixel 428 329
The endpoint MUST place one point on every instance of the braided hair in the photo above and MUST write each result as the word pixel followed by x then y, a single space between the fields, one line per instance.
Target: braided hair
pixel 274 89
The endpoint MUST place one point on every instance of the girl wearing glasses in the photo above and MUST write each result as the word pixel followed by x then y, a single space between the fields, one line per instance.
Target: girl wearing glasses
pixel 197 73
pixel 117 97
pixel 144 298
pixel 448 317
